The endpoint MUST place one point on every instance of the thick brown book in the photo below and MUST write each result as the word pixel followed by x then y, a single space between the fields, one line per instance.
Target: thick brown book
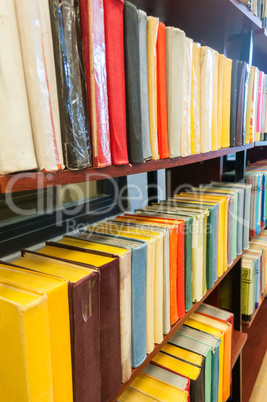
pixel 110 350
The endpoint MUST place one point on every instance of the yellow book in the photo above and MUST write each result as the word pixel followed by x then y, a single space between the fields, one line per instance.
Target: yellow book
pixel 25 363
pixel 59 324
pixel 152 32
pixel 133 395
pixel 214 127
pixel 183 354
pixel 227 77
pixel 223 224
pixel 158 389
pixel 125 295
pixel 154 243
pixel 221 63
pixel 216 332
pixel 195 100
pixel 227 330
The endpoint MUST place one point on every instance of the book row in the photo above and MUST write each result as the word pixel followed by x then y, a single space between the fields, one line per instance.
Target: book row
pixel 194 365
pixel 259 8
pixel 100 82
pixel 113 291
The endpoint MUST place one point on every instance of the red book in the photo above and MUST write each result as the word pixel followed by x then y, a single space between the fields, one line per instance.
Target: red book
pixel 163 143
pixel 113 18
pixel 92 18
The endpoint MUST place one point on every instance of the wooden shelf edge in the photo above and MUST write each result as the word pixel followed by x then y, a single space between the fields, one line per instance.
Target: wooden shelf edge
pixel 247 13
pixel 247 324
pixel 174 329
pixel 37 180
pixel 261 143
pixel 239 340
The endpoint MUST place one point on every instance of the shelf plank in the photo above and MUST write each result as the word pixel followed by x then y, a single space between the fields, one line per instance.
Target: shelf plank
pixel 174 329
pixel 37 180
pixel 239 340
pixel 261 143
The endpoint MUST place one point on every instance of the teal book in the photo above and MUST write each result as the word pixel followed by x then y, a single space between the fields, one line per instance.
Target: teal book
pixel 213 342
pixel 201 349
pixel 138 289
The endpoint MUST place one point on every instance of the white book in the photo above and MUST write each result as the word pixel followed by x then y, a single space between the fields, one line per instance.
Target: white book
pixel 16 151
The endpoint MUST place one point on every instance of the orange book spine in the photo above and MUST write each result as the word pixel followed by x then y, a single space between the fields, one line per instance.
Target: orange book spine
pixel 163 144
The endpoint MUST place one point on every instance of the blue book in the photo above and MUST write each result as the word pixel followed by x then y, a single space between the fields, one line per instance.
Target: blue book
pixel 138 288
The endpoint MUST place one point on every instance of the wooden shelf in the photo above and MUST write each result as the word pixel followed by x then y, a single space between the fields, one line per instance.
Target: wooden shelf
pixel 37 180
pixel 247 324
pixel 261 143
pixel 174 329
pixel 239 340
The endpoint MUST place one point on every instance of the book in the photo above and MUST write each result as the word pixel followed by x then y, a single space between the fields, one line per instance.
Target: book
pixel 233 113
pixel 162 116
pixel 259 111
pixel 24 344
pixel 245 106
pixel 58 318
pixel 113 24
pixel 145 129
pixel 214 127
pixel 206 97
pixel 37 52
pixel 195 100
pixel 108 267
pixel 152 32
pixel 125 294
pixel 241 79
pixel 138 289
pixel 131 394
pixel 17 149
pixel 93 37
pixel 248 288
pixel 71 85
pixel 186 99
pixel 175 43
pixel 216 313
pixel 133 84
pixel 209 341
pixel 221 63
pixel 226 111
pixel 158 389
pixel 167 377
pixel 191 371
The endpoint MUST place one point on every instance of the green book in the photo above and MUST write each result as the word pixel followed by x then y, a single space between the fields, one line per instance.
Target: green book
pixel 248 289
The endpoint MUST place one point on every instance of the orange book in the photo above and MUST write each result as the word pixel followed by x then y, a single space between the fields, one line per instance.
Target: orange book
pixel 163 143
pixel 177 277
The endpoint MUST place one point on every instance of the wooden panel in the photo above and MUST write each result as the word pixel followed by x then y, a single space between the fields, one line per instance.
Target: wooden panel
pixel 254 350
pixel 174 328
pixel 239 340
pixel 31 181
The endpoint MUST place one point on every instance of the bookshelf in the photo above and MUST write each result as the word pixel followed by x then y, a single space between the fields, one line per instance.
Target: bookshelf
pixel 230 28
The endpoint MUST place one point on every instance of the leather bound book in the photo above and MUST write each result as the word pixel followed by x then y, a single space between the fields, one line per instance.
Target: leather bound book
pixel 233 114
pixel 37 51
pixel 108 267
pixel 145 130
pixel 241 77
pixel 113 19
pixel 163 143
pixel 175 42
pixel 71 86
pixel 132 83
pixel 93 35
pixel 152 32
pixel 17 150
pixel 186 99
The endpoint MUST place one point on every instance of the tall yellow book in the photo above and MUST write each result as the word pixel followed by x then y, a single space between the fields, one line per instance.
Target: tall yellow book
pixel 59 324
pixel 25 362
